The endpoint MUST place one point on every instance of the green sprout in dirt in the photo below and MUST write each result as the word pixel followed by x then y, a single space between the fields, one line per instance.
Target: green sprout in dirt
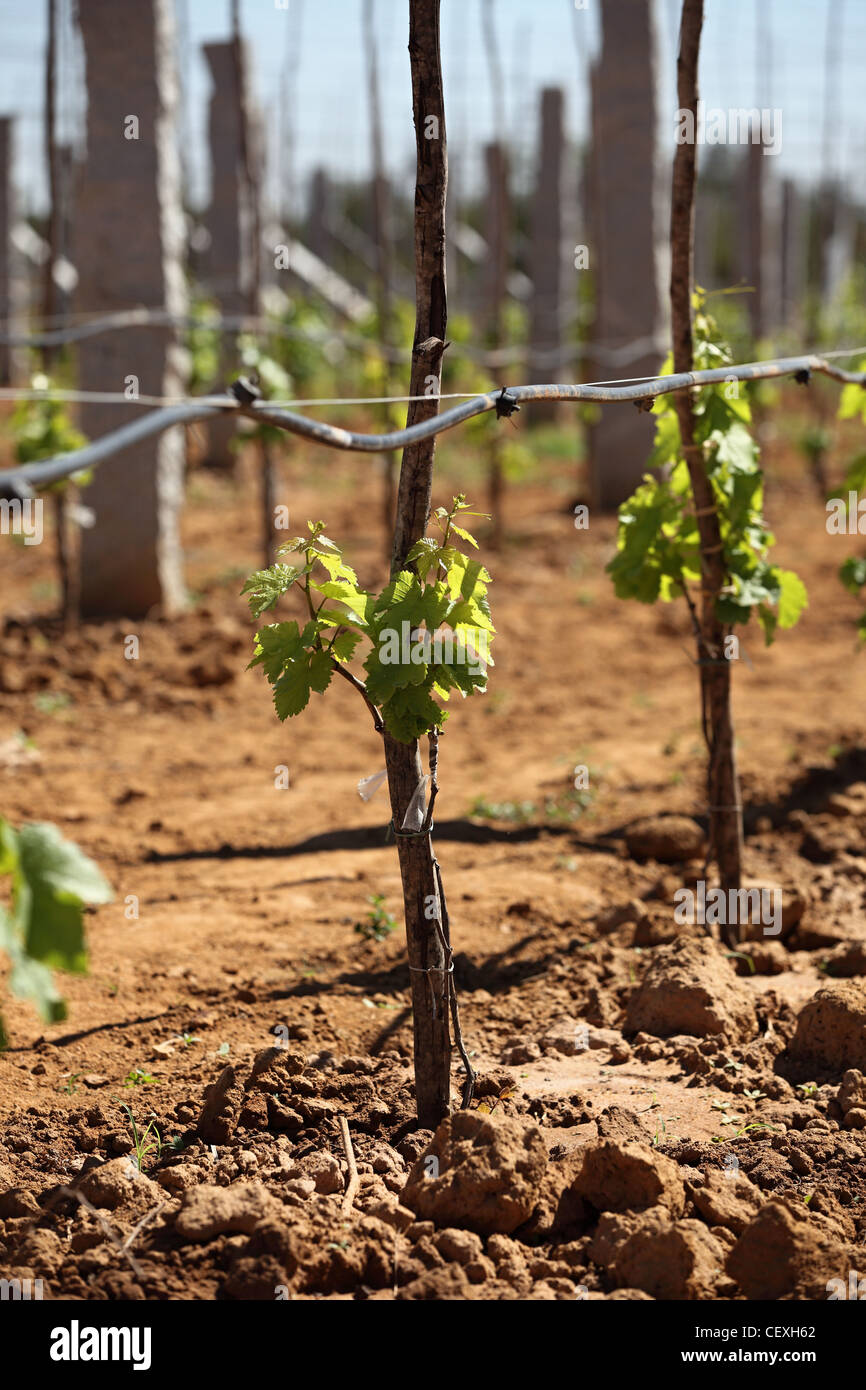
pixel 560 808
pixel 742 955
pixel 42 927
pixel 756 1126
pixel 658 544
pixel 137 1077
pixel 515 812
pixel 410 659
pixel 378 923
pixel 144 1142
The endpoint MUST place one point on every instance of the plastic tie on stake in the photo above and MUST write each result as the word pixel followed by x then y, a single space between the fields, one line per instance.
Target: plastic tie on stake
pixel 415 810
pixel 368 786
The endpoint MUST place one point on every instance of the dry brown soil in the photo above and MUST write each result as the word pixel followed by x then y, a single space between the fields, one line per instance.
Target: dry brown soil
pixel 726 1160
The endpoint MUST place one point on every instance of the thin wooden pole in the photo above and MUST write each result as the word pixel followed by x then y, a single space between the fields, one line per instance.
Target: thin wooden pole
pixel 496 229
pixel 725 811
pixel 427 958
pixel 384 296
pixel 497 250
pixel 249 160
pixel 49 296
pixel 66 559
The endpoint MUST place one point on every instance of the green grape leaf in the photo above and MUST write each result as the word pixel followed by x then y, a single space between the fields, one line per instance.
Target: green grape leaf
pixel 390 667
pixel 667 437
pixel 275 645
pixel 320 672
pixel 464 535
pixel 52 882
pixel 734 448
pixel 335 565
pixel 344 644
pixel 31 979
pixel 403 601
pixel 853 399
pixel 266 587
pixel 412 712
pixel 292 688
pixel 793 598
pixel 358 602
pixel 424 555
pixel 769 622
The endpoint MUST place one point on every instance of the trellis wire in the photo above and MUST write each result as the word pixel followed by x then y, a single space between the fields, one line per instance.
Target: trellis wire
pixel 53 470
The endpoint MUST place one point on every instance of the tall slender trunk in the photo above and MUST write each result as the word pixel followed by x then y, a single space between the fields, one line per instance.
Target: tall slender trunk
pixel 725 811
pixel 427 960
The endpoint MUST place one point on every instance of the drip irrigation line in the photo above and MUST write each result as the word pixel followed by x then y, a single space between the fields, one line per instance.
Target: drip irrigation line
pixel 504 402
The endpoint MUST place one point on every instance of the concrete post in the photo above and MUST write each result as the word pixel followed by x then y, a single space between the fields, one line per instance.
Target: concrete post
pixel 630 222
pixel 129 235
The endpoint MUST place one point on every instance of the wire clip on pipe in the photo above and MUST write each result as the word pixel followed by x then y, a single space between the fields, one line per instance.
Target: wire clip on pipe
pixel 246 389
pixel 506 405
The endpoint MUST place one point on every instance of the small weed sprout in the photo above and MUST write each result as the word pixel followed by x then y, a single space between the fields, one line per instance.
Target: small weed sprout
pixel 378 923
pixel 137 1077
pixel 144 1142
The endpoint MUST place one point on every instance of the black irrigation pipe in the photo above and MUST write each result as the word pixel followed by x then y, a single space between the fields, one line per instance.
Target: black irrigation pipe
pixel 505 402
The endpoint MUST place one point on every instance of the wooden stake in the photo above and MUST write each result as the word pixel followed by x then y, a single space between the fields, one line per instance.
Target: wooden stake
pixel 268 466
pixel 384 297
pixel 725 812
pixel 427 963
pixel 497 276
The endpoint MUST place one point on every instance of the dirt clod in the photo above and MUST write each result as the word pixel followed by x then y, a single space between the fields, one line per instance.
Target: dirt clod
pixel 663 1257
pixel 787 1249
pixel 222 1107
pixel 726 1199
pixel 618 1176
pixel 669 839
pixel 689 988
pixel 116 1182
pixel 212 1211
pixel 831 1028
pixel 481 1173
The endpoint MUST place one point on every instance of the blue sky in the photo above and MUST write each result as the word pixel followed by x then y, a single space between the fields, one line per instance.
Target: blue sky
pixel 755 52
